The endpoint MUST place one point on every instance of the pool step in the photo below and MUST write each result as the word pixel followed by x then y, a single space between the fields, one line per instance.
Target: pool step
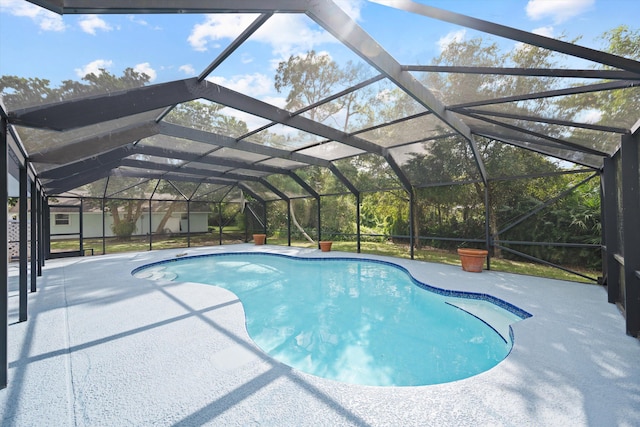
pixel 496 317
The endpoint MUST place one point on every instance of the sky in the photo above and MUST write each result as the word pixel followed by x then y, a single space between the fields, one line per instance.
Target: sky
pixel 39 43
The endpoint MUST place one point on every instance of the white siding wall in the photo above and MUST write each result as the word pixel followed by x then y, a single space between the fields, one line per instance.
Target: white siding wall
pixel 92 224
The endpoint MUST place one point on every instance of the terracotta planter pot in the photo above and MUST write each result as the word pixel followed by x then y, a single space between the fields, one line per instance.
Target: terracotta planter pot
pixel 472 259
pixel 259 239
pixel 325 246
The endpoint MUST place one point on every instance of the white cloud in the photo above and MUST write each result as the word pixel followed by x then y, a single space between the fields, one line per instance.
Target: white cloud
pixel 46 20
pixel 145 68
pixel 138 21
pixel 246 58
pixel 286 34
pixel 253 122
pixel 558 10
pixel 452 37
pixel 94 67
pixel 277 101
pixel 589 116
pixel 544 31
pixel 142 22
pixel 187 69
pixel 92 23
pixel 351 7
pixel 253 85
pixel 216 27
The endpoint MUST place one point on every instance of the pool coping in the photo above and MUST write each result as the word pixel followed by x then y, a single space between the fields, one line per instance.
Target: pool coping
pixel 102 347
pixel 523 314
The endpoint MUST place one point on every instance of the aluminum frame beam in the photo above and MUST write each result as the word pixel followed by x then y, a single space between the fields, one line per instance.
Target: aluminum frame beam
pixel 199 158
pixel 205 137
pixel 96 109
pixel 531 72
pixel 539 148
pixel 337 22
pixel 302 183
pixel 342 178
pixel 170 177
pixel 319 103
pixel 235 44
pixel 96 145
pixel 514 34
pixel 611 129
pixel 559 141
pixel 597 87
pixel 90 110
pixel 543 205
pixel 274 190
pixel 72 7
pixel 251 193
pixel 239 101
pixel 105 159
pixel 142 164
pixel 61 185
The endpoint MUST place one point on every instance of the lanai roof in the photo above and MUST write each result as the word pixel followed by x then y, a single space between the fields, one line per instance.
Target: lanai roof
pixel 134 133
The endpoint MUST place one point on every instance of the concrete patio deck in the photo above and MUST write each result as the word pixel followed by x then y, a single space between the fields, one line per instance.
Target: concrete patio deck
pixel 102 348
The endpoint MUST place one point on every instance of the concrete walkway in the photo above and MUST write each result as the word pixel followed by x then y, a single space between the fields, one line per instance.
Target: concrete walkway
pixel 102 348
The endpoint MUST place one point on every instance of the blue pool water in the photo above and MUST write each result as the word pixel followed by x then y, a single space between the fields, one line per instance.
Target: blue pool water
pixel 353 320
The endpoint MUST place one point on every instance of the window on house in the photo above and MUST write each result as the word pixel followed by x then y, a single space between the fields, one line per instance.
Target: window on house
pixel 62 219
pixel 184 217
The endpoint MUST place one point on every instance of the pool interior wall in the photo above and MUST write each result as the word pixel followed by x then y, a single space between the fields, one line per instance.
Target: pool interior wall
pixel 355 320
pixel 103 348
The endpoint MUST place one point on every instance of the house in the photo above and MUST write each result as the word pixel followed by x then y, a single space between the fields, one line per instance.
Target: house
pixel 66 220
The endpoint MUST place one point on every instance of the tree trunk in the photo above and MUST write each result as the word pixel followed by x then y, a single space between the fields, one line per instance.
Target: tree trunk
pixel 114 214
pixel 299 227
pixel 493 221
pixel 417 214
pixel 166 217
pixel 493 229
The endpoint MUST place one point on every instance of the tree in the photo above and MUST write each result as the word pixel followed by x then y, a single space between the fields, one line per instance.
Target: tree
pixel 615 107
pixel 24 92
pixel 310 78
pixel 19 91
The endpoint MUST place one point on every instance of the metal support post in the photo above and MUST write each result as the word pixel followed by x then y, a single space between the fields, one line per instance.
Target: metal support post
pixel 4 255
pixel 47 229
pixel 487 228
pixel 264 217
pixel 411 217
pixel 288 222
pixel 220 223
pixel 188 224
pixel 358 221
pixel 150 226
pixel 104 227
pixel 609 229
pixel 630 214
pixel 22 316
pixel 319 223
pixel 81 215
pixel 40 204
pixel 34 229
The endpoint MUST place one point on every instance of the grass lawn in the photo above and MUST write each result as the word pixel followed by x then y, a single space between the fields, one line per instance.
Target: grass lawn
pixel 449 257
pixel 137 244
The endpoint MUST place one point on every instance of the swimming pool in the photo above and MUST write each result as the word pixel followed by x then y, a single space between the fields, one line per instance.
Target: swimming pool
pixel 354 320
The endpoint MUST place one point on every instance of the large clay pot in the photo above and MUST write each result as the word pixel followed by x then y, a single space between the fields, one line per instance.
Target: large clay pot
pixel 472 259
pixel 259 239
pixel 325 246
